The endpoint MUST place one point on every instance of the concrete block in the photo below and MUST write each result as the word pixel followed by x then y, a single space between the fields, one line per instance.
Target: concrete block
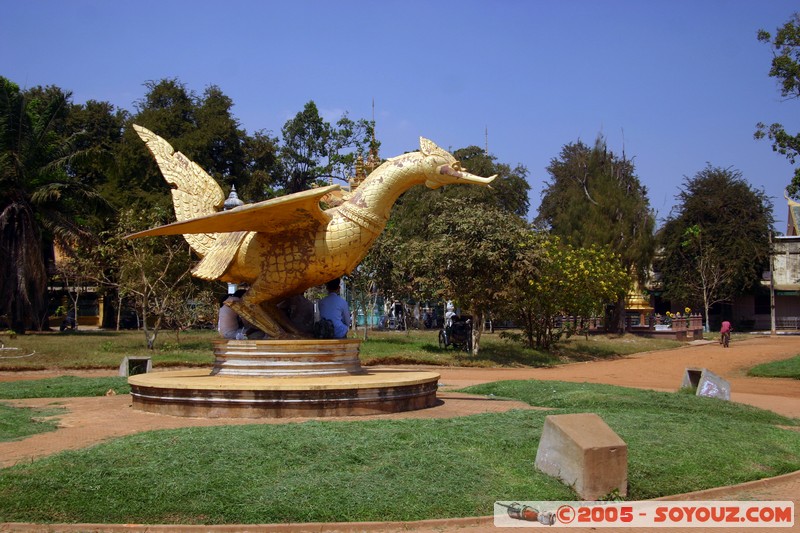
pixel 691 377
pixel 132 365
pixel 583 452
pixel 713 386
pixel 707 383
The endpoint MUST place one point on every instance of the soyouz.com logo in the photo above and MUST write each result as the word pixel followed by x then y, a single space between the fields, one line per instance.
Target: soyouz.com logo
pixel 702 514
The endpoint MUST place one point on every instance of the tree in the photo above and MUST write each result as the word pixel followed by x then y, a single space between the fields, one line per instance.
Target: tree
pixel 396 268
pixel 75 273
pixel 595 198
pixel 715 244
pixel 204 129
pixel 785 68
pixel 313 149
pixel 100 126
pixel 363 288
pixel 509 191
pixel 262 165
pixel 218 139
pixel 708 275
pixel 468 258
pixel 42 197
pixel 167 108
pixel 103 262
pixel 195 307
pixel 441 243
pixel 155 271
pixel 413 211
pixel 551 281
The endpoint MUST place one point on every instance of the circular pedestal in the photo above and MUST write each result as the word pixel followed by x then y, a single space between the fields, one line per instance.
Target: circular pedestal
pixel 283 378
pixel 200 394
pixel 281 358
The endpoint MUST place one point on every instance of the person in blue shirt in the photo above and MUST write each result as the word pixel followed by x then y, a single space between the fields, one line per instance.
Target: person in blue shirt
pixel 334 308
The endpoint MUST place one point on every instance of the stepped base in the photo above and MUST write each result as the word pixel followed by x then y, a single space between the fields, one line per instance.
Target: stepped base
pixel 197 393
pixel 283 378
pixel 281 358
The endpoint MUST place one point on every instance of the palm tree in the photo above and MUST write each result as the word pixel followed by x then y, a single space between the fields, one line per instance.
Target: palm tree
pixel 40 199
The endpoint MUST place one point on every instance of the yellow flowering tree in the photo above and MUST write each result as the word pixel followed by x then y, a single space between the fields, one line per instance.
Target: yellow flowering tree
pixel 595 197
pixel 552 280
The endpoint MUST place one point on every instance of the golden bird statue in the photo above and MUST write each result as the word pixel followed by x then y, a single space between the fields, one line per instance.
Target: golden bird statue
pixel 283 246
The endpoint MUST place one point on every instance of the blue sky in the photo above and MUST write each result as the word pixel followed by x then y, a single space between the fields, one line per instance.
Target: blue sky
pixel 677 84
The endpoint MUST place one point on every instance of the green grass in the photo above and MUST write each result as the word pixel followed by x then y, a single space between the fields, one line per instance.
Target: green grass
pixel 87 349
pixel 421 347
pixel 677 437
pixel 379 470
pixel 93 349
pixel 20 422
pixel 63 387
pixel 788 368
pixel 316 471
pixel 579 348
pixel 394 469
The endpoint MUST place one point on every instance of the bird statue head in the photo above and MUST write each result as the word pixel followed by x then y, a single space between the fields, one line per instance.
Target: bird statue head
pixel 441 168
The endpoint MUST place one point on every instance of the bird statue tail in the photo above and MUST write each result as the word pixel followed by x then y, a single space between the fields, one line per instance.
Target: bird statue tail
pixel 194 192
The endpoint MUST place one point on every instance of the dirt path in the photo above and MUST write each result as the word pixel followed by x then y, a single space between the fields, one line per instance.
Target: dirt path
pixel 664 370
pixel 89 421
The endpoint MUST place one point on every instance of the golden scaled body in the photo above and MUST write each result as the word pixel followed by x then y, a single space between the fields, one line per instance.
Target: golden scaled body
pixel 283 246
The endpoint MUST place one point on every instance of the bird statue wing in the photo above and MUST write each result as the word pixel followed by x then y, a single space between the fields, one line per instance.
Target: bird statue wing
pixel 194 192
pixel 286 214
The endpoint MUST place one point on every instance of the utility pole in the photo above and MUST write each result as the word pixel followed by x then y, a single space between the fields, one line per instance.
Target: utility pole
pixel 772 330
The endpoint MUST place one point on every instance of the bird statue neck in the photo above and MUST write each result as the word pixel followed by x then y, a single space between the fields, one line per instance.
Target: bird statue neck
pixel 372 202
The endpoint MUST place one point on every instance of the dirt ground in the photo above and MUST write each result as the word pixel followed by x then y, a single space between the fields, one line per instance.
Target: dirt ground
pixel 89 421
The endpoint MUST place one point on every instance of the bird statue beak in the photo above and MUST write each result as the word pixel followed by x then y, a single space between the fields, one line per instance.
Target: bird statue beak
pixel 456 175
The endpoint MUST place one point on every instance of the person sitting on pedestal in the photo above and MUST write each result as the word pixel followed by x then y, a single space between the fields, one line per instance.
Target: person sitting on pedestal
pixel 334 308
pixel 231 326
pixel 300 312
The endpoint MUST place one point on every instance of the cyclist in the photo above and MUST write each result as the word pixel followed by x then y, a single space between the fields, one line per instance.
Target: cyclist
pixel 725 333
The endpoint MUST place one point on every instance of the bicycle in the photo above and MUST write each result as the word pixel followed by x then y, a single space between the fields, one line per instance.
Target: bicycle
pixel 725 339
